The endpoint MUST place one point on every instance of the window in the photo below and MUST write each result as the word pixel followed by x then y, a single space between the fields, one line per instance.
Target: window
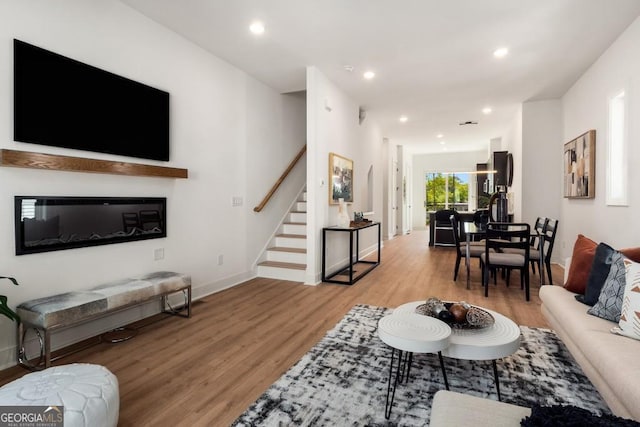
pixel 617 153
pixel 447 191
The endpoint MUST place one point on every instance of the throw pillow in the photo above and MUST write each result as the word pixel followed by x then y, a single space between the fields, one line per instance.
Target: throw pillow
pixel 632 253
pixel 599 272
pixel 572 416
pixel 583 252
pixel 629 324
pixel 609 304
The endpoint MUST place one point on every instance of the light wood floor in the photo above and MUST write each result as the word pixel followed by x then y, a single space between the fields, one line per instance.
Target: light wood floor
pixel 208 369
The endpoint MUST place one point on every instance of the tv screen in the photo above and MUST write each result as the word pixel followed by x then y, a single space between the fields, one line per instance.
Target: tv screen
pixel 62 102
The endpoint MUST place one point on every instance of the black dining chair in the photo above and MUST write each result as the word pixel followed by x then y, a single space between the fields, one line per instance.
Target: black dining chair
pixel 534 252
pixel 537 237
pixel 481 218
pixel 443 227
pixel 549 236
pixel 461 247
pixel 503 236
pixel 546 231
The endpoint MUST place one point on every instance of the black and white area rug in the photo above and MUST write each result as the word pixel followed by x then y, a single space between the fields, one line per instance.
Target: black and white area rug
pixel 342 380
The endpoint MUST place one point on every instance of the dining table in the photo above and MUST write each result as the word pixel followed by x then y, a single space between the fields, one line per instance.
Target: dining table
pixel 473 231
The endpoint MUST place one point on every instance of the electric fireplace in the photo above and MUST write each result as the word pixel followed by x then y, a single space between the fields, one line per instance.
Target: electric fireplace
pixel 44 223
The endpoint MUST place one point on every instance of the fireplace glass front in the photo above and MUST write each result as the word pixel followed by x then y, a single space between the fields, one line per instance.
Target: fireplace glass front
pixel 45 224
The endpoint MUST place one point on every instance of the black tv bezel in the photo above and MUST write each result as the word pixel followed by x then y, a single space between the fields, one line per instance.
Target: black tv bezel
pixel 140 150
pixel 21 250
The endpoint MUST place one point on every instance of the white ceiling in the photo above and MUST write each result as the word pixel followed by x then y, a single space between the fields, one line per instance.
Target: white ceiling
pixel 432 58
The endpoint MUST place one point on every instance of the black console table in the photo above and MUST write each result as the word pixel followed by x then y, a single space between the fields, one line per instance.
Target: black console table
pixel 353 276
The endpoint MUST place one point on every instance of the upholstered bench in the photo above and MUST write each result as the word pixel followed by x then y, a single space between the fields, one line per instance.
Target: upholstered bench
pixel 88 394
pixel 48 314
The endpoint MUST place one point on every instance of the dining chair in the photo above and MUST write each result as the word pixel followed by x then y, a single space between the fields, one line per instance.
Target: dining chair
pixel 443 225
pixel 549 236
pixel 546 231
pixel 480 219
pixel 461 247
pixel 535 241
pixel 501 236
pixel 534 252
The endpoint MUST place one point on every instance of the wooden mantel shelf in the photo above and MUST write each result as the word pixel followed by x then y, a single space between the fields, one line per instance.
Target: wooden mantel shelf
pixel 26 159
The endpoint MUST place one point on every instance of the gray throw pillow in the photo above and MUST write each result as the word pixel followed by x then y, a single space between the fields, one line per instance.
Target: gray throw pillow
pixel 609 304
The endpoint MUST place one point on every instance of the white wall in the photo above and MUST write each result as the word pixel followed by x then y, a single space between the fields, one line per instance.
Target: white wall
pixel 512 142
pixel 541 161
pixel 449 162
pixel 332 126
pixel 585 107
pixel 222 121
pixel 390 158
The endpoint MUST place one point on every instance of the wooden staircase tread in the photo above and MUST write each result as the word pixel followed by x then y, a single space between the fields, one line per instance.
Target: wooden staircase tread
pixel 283 249
pixel 295 212
pixel 295 223
pixel 293 236
pixel 289 265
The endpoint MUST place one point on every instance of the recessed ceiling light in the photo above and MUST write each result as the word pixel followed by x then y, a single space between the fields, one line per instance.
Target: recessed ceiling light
pixel 403 119
pixel 442 142
pixel 348 68
pixel 487 110
pixel 439 135
pixel 369 75
pixel 256 27
pixel 500 52
pixel 444 148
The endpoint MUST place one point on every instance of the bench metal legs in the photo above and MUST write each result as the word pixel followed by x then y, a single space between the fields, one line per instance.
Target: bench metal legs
pixel 178 311
pixel 44 335
pixel 45 348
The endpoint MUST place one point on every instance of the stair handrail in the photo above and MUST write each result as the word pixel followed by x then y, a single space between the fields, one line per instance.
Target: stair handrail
pixel 275 187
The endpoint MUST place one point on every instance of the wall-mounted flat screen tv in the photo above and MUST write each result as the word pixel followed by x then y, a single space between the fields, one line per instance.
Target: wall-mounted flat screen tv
pixel 62 102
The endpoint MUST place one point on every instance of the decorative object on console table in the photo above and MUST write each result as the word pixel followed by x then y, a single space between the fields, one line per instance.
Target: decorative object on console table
pixel 580 167
pixel 359 220
pixel 341 177
pixel 4 307
pixel 343 214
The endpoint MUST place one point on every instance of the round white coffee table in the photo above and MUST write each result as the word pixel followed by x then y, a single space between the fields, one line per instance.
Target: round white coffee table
pixel 494 342
pixel 411 333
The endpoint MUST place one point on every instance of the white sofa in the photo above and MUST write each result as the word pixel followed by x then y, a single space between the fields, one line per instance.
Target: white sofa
pixel 612 362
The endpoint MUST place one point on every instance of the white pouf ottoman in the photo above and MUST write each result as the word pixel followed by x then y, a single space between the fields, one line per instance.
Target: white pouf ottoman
pixel 89 393
pixel 456 409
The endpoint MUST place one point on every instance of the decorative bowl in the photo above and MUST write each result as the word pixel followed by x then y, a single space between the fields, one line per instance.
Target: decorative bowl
pixel 477 318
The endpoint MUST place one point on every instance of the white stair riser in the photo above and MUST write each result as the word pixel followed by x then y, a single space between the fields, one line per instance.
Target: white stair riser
pixel 288 242
pixel 294 229
pixel 281 273
pixel 304 196
pixel 294 257
pixel 297 217
pixel 301 206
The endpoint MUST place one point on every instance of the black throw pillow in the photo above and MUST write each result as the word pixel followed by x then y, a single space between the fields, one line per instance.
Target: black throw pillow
pixel 599 272
pixel 571 416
